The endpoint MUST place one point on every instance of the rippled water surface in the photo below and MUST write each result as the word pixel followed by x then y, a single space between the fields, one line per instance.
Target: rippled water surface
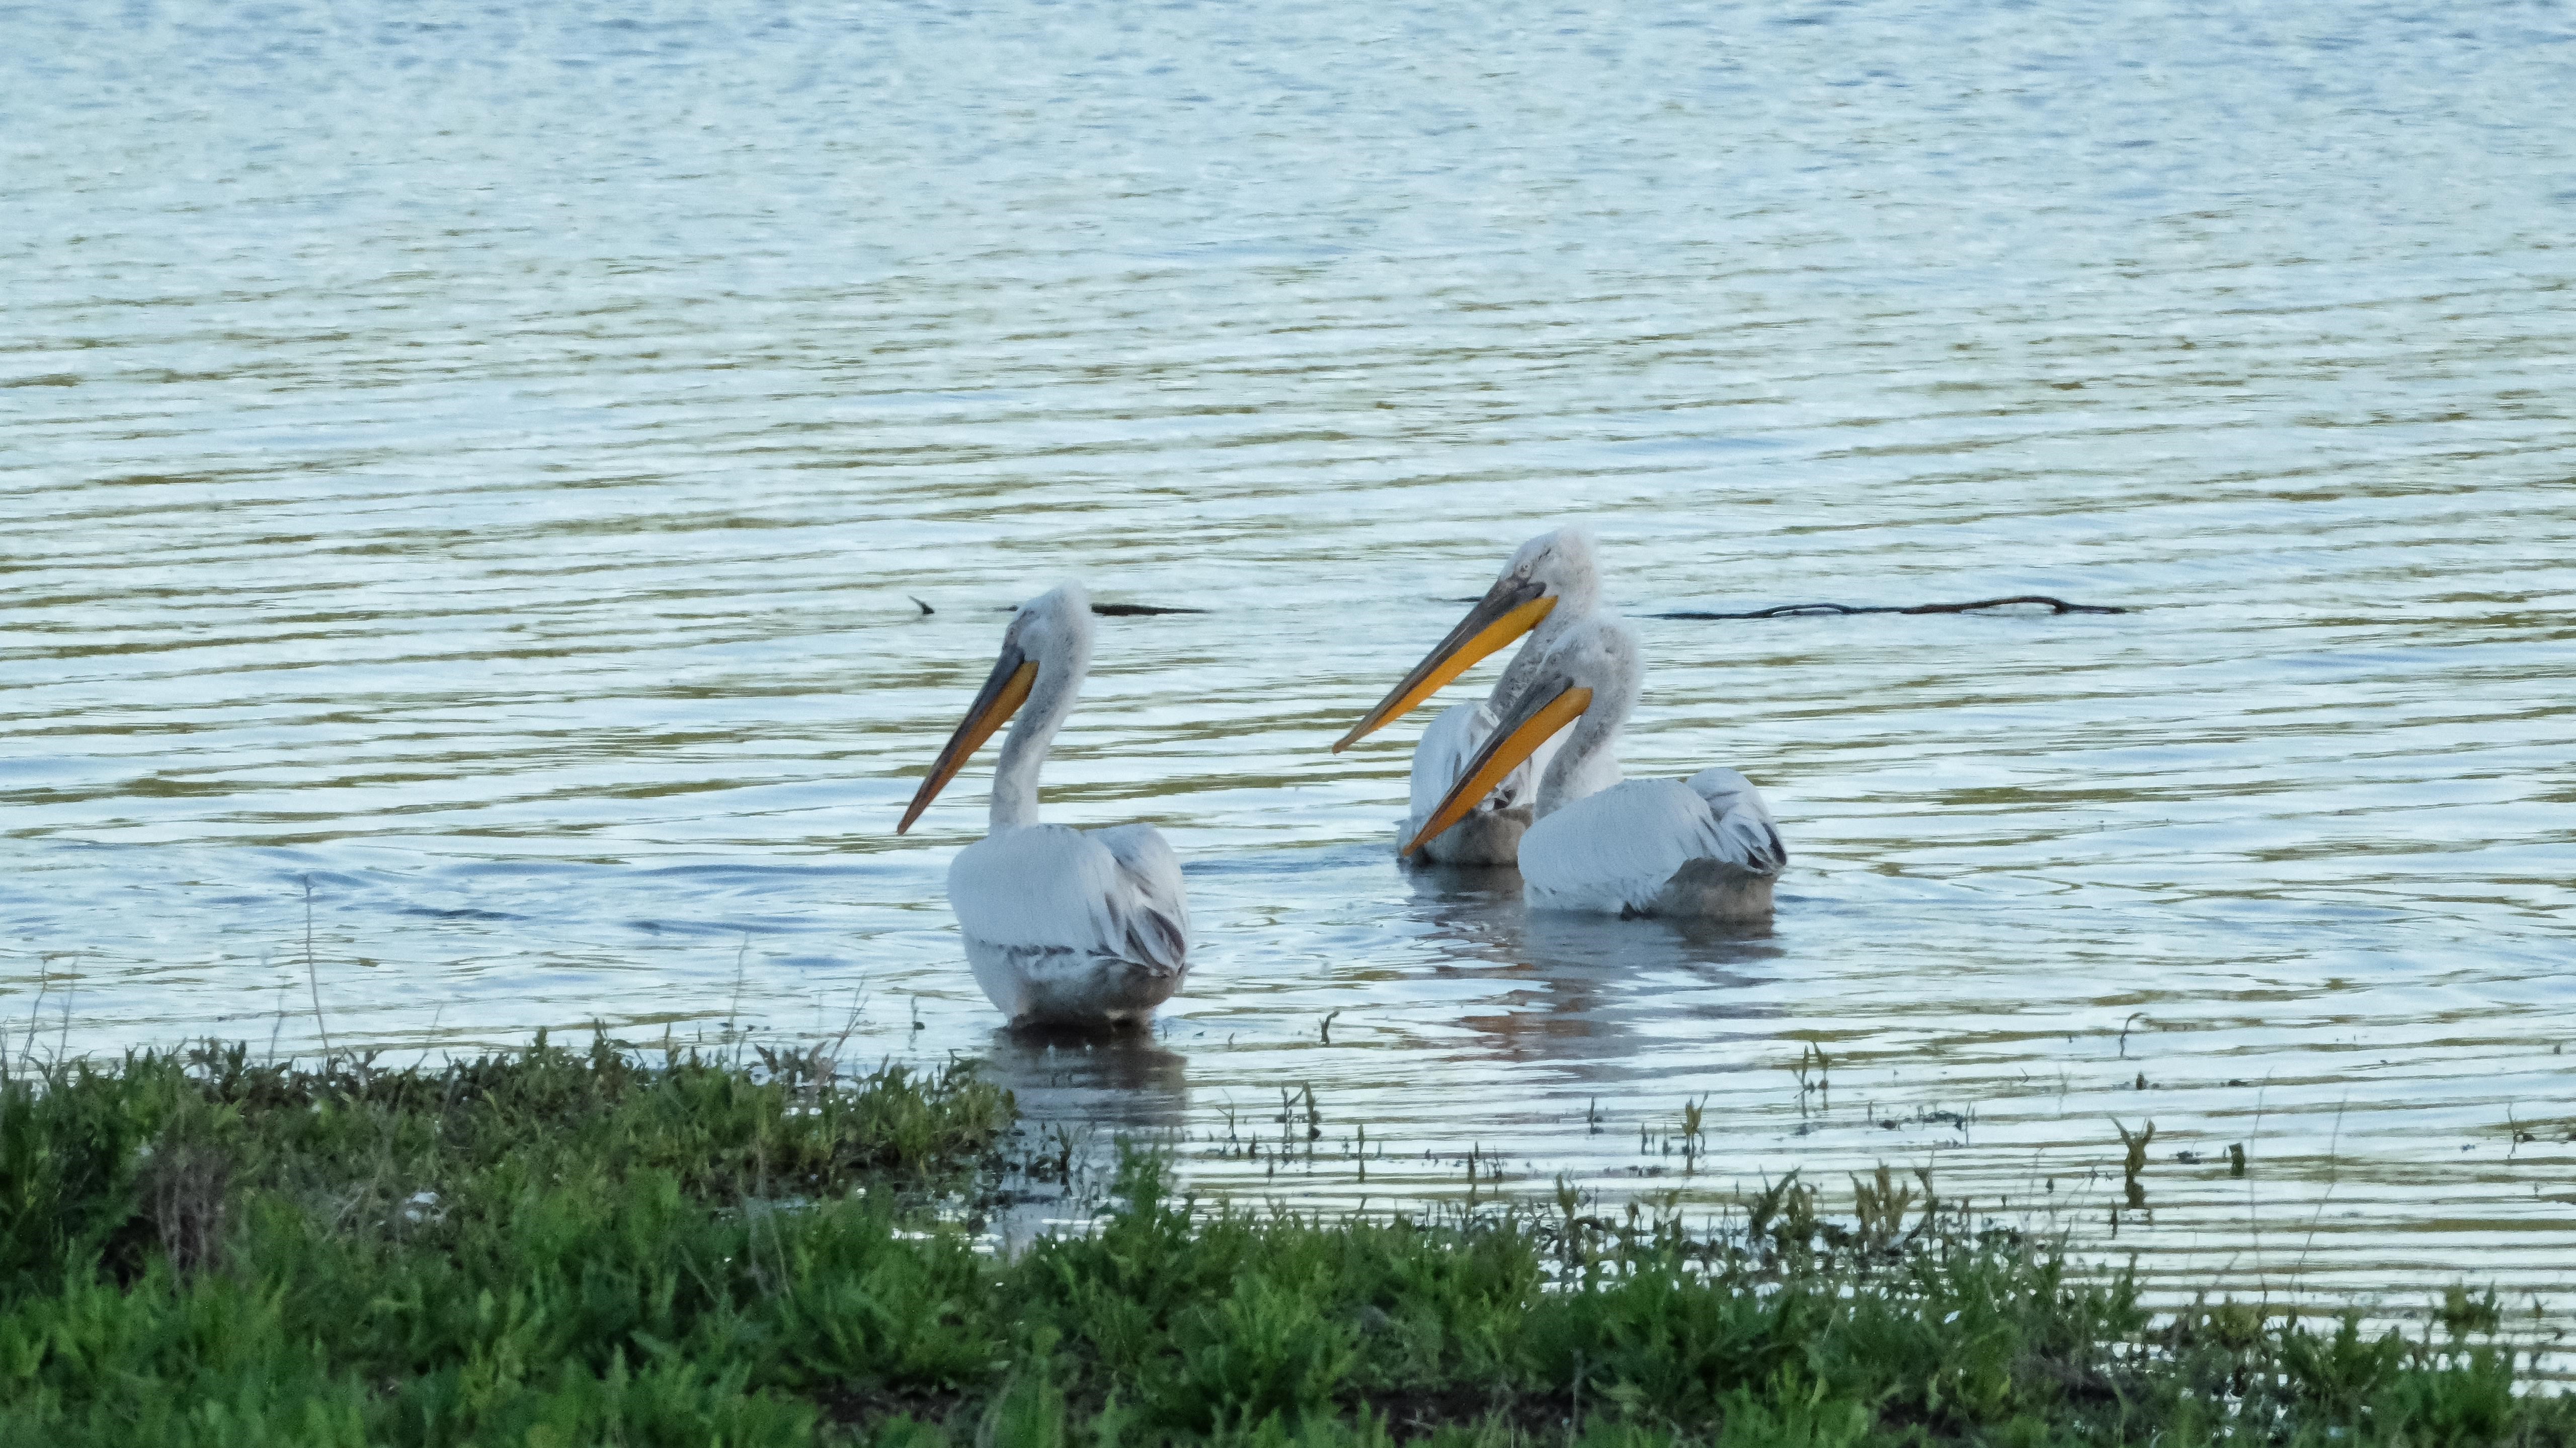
pixel 469 472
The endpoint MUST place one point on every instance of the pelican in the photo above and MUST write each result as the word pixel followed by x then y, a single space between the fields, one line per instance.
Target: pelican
pixel 1548 586
pixel 1702 847
pixel 1062 926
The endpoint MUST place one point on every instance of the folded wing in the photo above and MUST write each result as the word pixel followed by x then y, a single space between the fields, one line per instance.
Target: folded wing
pixel 1747 835
pixel 1616 850
pixel 1153 915
pixel 1051 889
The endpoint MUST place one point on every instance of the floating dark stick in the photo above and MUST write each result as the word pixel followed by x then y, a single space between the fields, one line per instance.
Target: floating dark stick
pixel 1792 610
pixel 1785 610
pixel 1108 610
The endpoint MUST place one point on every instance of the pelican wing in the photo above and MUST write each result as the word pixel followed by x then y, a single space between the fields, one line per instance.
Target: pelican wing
pixel 1616 851
pixel 1154 915
pixel 1747 835
pixel 1044 890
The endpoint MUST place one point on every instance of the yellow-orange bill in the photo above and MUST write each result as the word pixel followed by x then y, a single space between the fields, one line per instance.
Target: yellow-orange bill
pixel 1502 615
pixel 1501 755
pixel 1002 695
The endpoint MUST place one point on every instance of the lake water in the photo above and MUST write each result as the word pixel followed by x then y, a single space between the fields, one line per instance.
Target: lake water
pixel 469 471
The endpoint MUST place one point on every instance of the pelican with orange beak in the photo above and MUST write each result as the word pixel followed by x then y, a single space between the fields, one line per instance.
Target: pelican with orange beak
pixel 1063 926
pixel 1549 586
pixel 1701 848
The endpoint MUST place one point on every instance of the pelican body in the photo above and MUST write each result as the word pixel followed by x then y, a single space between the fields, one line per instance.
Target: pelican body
pixel 1549 586
pixel 1700 848
pixel 1062 926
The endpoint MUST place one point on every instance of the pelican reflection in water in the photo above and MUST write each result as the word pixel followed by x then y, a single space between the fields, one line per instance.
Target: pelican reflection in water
pixel 1062 926
pixel 1549 586
pixel 1082 1098
pixel 1702 848
pixel 1073 1082
pixel 1597 998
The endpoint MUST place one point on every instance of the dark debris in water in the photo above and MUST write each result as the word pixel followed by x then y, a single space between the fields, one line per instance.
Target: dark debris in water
pixel 1784 610
pixel 1798 610
pixel 1111 610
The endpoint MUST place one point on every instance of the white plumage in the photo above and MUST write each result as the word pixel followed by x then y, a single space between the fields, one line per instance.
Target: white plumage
pixel 1705 847
pixel 1071 925
pixel 1062 926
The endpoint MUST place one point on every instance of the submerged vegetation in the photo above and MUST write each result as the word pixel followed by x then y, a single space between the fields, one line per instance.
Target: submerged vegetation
pixel 566 1247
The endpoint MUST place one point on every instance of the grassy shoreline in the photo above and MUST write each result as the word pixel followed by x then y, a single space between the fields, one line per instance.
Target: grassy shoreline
pixel 576 1247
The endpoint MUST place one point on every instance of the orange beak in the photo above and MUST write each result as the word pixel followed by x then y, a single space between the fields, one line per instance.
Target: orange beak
pixel 1506 612
pixel 1004 691
pixel 1516 741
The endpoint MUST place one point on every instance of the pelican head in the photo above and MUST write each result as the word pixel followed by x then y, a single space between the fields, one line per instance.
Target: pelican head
pixel 1595 670
pixel 1047 645
pixel 1553 571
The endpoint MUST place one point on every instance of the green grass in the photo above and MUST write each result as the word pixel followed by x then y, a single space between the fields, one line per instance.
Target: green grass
pixel 570 1248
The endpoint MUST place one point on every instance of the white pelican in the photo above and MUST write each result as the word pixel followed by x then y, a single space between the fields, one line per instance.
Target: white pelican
pixel 1548 586
pixel 1703 847
pixel 1062 926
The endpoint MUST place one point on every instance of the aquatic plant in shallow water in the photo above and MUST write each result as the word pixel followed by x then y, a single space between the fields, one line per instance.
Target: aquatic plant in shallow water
pixel 584 1247
pixel 122 1161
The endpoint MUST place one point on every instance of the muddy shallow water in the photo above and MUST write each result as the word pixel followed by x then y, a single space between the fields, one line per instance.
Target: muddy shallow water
pixel 470 477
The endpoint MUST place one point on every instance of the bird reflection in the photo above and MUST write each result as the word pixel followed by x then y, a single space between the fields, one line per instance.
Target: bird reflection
pixel 1576 989
pixel 1080 1095
pixel 1478 906
pixel 1126 1082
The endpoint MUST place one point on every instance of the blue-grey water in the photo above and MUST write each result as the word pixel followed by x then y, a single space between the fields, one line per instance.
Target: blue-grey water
pixel 469 467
